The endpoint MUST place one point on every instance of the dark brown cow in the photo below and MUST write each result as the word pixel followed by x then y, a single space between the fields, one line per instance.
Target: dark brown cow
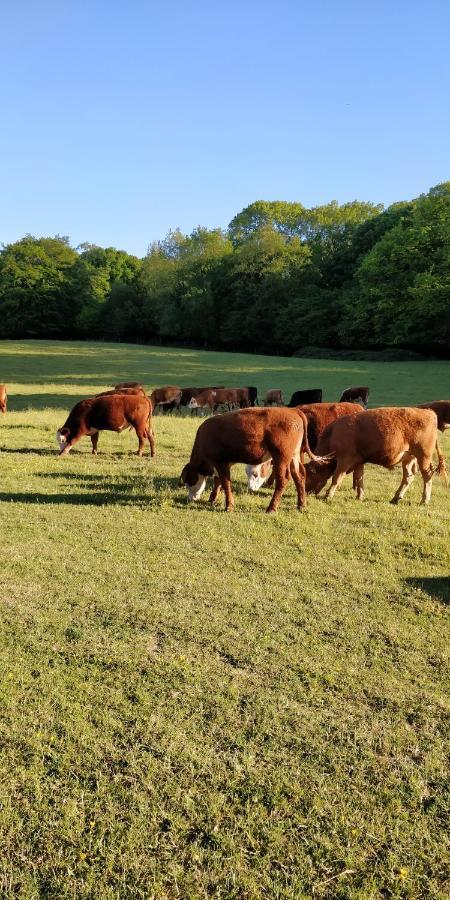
pixel 129 384
pixel 318 417
pixel 111 412
pixel 442 410
pixel 385 437
pixel 355 395
pixel 164 395
pixel 248 436
pixel 3 397
pixel 274 397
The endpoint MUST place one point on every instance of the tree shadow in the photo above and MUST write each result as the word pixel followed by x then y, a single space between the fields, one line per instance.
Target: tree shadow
pixel 94 498
pixel 37 451
pixel 438 588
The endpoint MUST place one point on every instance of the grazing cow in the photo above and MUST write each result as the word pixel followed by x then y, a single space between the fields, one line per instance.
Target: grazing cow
pixel 385 437
pixel 318 417
pixel 442 410
pixel 215 397
pixel 274 397
pixel 248 436
pixel 110 412
pixel 186 395
pixel 299 398
pixel 355 395
pixel 253 396
pixel 129 384
pixel 3 397
pixel 165 395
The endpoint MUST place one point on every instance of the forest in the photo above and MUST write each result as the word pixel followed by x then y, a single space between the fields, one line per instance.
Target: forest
pixel 281 279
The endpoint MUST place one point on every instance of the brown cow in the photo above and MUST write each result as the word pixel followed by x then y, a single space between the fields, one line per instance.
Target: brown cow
pixel 318 417
pixel 274 397
pixel 129 384
pixel 248 436
pixel 355 395
pixel 111 412
pixel 385 437
pixel 442 410
pixel 215 397
pixel 3 397
pixel 164 395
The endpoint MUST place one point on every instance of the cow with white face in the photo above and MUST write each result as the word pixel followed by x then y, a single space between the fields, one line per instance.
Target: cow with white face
pixel 258 475
pixel 254 437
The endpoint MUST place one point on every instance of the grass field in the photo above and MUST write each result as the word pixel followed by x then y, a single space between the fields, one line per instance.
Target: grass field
pixel 196 704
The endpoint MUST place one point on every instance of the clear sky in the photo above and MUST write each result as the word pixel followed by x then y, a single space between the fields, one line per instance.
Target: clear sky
pixel 121 120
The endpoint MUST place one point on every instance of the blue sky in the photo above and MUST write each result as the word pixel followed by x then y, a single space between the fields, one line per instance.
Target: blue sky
pixel 122 120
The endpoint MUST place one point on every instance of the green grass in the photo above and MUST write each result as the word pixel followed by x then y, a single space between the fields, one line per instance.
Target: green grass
pixel 196 704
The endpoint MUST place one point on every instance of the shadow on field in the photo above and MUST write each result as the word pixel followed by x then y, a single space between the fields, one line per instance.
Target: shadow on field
pixel 438 588
pixel 20 402
pixel 97 498
pixel 37 451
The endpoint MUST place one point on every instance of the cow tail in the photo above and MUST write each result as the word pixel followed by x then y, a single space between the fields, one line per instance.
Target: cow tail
pixel 305 444
pixel 441 468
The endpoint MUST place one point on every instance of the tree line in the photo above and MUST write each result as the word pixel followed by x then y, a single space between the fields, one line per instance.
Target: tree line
pixel 280 278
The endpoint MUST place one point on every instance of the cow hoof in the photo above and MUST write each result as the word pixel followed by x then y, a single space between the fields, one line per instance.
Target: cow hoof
pixel 394 501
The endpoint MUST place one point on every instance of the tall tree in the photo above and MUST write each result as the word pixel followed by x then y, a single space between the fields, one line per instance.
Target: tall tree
pixel 38 288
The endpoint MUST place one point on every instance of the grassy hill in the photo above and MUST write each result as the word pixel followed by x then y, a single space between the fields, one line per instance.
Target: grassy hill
pixel 197 704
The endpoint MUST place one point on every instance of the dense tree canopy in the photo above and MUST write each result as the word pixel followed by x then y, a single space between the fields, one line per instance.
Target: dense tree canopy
pixel 280 278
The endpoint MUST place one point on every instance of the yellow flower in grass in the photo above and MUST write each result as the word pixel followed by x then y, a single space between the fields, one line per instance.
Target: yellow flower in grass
pixel 403 873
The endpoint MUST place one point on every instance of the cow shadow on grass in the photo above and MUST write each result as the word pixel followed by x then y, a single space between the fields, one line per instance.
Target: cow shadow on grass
pixel 438 587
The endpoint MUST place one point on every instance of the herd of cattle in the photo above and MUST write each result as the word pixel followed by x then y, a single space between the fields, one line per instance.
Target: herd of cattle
pixel 271 441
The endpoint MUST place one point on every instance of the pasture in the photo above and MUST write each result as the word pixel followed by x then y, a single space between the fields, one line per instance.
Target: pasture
pixel 203 705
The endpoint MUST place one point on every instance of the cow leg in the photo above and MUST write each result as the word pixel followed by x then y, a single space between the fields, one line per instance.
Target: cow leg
pixel 151 440
pixel 426 470
pixel 336 482
pixel 94 442
pixel 281 475
pixel 223 474
pixel 409 470
pixel 142 435
pixel 358 482
pixel 217 487
pixel 299 477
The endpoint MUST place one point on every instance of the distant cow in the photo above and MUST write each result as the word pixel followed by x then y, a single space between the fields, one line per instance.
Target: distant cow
pixel 3 397
pixel 274 397
pixel 111 412
pixel 318 417
pixel 355 395
pixel 165 395
pixel 248 436
pixel 213 398
pixel 442 410
pixel 129 384
pixel 385 437
pixel 299 398
pixel 252 396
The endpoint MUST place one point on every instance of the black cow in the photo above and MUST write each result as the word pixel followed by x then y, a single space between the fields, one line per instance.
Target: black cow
pixel 299 398
pixel 253 396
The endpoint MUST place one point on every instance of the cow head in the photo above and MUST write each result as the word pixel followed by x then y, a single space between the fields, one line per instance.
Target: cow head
pixel 193 403
pixel 62 436
pixel 194 481
pixel 317 476
pixel 257 475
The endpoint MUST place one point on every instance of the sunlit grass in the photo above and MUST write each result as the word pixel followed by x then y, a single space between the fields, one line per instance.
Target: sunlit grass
pixel 197 704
